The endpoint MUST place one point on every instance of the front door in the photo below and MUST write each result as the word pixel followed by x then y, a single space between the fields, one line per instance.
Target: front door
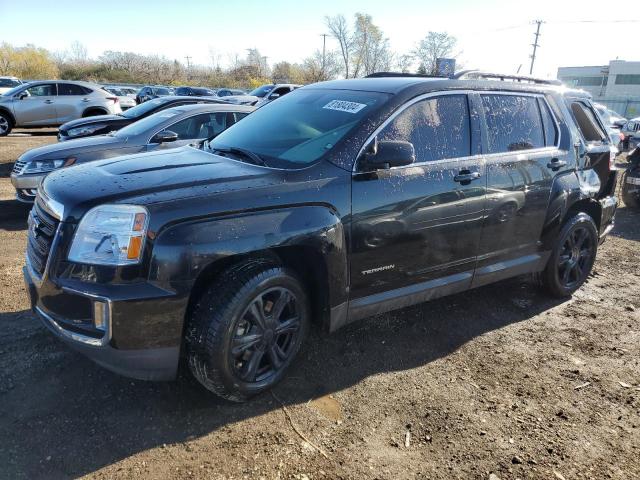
pixel 522 159
pixel 37 108
pixel 418 226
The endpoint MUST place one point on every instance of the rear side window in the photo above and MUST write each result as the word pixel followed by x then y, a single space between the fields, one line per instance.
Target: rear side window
pixel 586 119
pixel 71 89
pixel 513 123
pixel 438 128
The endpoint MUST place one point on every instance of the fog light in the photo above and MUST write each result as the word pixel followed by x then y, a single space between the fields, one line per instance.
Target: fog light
pixel 100 315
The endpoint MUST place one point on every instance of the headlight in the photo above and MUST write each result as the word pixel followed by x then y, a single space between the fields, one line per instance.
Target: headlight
pixel 82 131
pixel 40 166
pixel 110 235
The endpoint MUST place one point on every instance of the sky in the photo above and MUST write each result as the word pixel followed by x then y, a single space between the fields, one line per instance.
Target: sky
pixel 492 35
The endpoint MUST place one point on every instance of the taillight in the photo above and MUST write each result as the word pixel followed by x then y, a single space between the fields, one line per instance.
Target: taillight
pixel 115 99
pixel 621 135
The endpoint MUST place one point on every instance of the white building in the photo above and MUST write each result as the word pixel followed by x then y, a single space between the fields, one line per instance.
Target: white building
pixel 617 85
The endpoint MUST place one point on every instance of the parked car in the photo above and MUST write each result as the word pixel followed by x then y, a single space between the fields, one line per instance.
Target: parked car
pixel 129 91
pixel 7 83
pixel 631 132
pixel 102 124
pixel 169 128
pixel 612 123
pixel 263 95
pixel 148 93
pixel 225 92
pixel 52 103
pixel 631 180
pixel 126 102
pixel 224 255
pixel 195 91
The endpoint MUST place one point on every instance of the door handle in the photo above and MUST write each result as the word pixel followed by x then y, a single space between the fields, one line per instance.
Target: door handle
pixel 465 177
pixel 48 101
pixel 556 163
pixel 86 100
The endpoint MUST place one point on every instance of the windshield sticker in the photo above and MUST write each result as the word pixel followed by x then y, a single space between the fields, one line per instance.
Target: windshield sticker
pixel 344 106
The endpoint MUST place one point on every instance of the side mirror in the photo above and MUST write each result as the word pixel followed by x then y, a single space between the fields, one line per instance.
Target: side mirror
pixel 164 136
pixel 22 95
pixel 388 153
pixel 273 96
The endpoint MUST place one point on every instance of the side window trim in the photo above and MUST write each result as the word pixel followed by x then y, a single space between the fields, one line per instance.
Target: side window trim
pixel 409 103
pixel 544 103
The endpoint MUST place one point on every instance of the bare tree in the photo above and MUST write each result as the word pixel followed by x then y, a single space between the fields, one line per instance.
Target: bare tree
pixel 340 31
pixel 435 45
pixel 78 53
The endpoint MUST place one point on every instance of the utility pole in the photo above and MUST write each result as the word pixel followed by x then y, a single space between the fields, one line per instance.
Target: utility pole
pixel 535 46
pixel 188 61
pixel 324 52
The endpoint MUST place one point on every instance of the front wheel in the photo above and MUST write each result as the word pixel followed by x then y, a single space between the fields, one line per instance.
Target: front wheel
pixel 630 194
pixel 5 124
pixel 246 330
pixel 572 257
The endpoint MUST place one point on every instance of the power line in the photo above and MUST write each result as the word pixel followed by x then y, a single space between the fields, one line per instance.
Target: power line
pixel 535 46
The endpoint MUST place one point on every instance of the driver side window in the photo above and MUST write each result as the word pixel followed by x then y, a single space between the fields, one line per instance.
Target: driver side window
pixel 47 90
pixel 439 128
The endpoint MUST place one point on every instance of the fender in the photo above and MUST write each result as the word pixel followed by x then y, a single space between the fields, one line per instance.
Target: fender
pixel 10 114
pixel 183 252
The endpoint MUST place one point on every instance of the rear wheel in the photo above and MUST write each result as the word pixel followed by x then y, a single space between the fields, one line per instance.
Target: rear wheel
pixel 573 256
pixel 5 124
pixel 246 330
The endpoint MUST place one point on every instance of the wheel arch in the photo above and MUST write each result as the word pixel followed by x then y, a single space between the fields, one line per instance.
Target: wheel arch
pixel 86 112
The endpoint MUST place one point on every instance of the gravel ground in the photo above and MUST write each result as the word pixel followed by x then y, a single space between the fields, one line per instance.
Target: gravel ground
pixel 499 382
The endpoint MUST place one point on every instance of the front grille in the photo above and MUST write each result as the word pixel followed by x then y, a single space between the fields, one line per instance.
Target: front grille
pixel 18 166
pixel 635 126
pixel 42 230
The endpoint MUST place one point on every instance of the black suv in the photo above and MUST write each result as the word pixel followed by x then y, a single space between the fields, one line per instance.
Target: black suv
pixel 149 92
pixel 342 200
pixel 102 124
pixel 195 91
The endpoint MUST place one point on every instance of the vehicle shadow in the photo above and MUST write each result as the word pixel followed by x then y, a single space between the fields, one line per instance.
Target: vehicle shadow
pixel 13 215
pixel 62 402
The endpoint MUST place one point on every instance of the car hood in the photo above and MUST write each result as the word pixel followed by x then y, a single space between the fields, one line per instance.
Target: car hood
pixel 97 119
pixel 241 99
pixel 76 146
pixel 149 178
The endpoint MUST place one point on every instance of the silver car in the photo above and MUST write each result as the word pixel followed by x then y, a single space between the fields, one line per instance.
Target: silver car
pixel 170 128
pixel 126 101
pixel 52 103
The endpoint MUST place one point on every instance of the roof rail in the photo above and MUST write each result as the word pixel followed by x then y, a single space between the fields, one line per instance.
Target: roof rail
pixel 400 74
pixel 478 74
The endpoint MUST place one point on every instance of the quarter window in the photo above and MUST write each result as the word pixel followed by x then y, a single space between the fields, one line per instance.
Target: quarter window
pixel 587 122
pixel 513 123
pixel 438 128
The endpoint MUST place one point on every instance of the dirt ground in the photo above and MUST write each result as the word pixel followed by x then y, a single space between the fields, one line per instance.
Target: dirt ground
pixel 499 382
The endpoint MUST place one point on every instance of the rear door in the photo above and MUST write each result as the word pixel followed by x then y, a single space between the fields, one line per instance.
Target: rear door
pixel 414 225
pixel 38 107
pixel 521 142
pixel 71 102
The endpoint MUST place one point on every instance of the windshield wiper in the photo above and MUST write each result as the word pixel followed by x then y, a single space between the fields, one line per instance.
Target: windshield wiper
pixel 254 157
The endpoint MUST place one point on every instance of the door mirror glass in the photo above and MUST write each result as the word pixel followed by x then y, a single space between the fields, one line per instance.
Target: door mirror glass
pixel 389 153
pixel 164 137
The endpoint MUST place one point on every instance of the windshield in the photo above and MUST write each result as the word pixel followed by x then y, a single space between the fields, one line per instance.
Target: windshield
pixel 162 91
pixel 301 127
pixel 145 124
pixel 262 91
pixel 142 109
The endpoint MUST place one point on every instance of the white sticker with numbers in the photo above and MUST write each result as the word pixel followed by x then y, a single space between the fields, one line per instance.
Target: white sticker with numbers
pixel 344 106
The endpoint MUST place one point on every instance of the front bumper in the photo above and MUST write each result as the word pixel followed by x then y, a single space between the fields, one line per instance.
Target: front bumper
pixel 26 186
pixel 63 310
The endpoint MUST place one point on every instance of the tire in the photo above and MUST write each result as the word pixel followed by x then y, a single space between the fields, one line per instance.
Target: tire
pixel 232 349
pixel 5 124
pixel 572 257
pixel 630 199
